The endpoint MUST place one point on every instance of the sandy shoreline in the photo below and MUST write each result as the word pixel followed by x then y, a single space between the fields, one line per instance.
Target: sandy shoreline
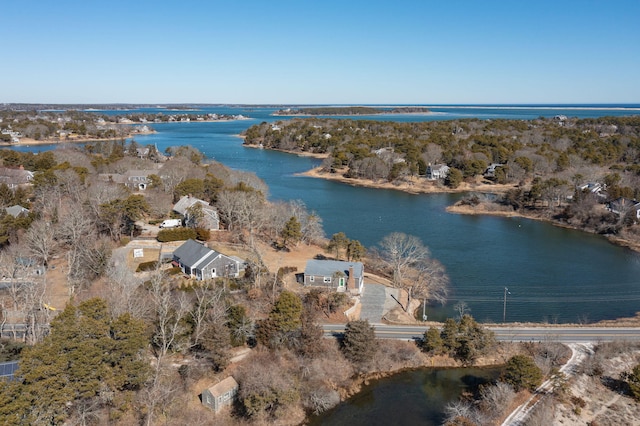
pixel 412 184
pixel 29 141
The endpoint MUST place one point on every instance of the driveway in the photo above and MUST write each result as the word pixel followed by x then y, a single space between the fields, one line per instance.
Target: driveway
pixel 376 301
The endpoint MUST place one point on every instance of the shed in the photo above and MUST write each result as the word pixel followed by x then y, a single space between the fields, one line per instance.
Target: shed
pixel 221 394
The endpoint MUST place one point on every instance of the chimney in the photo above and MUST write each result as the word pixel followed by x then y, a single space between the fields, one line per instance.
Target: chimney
pixel 351 281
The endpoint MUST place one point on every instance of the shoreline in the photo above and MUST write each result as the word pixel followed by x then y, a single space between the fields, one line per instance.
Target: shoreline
pixel 415 185
pixel 482 210
pixel 420 185
pixel 34 142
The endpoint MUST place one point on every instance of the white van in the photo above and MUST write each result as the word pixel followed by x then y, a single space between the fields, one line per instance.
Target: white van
pixel 171 223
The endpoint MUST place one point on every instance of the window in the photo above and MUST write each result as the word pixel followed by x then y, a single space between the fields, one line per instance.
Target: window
pixel 327 280
pixel 312 279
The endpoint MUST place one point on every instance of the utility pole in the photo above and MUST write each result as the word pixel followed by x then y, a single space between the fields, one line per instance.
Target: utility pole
pixel 504 308
pixel 424 309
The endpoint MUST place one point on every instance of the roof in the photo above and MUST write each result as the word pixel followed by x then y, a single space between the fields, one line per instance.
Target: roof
pixel 223 387
pixel 16 210
pixel 7 369
pixel 436 167
pixel 187 201
pixel 192 254
pixel 327 268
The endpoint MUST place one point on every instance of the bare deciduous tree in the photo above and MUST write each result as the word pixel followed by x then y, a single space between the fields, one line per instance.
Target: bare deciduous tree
pixel 170 310
pixel 209 308
pixel 40 240
pixel 125 292
pixel 400 252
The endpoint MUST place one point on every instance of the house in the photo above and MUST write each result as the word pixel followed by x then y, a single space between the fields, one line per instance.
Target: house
pixel 14 177
pixel 16 210
pixel 201 263
pixel 138 180
pixel 592 187
pixel 209 219
pixel 623 206
pixel 437 171
pixel 221 394
pixel 491 170
pixel 335 274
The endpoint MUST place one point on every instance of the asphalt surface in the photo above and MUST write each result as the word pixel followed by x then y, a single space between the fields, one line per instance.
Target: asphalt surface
pixel 376 301
pixel 512 334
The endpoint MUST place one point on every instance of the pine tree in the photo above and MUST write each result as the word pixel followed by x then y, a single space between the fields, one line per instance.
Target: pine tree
pixel 522 373
pixel 359 342
pixel 292 232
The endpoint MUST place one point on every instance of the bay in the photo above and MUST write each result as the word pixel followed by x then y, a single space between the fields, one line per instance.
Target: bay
pixel 553 274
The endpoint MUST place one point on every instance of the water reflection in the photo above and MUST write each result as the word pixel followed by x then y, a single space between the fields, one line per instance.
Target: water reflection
pixel 409 398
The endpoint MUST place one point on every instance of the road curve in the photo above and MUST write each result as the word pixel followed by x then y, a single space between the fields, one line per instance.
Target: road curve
pixel 561 334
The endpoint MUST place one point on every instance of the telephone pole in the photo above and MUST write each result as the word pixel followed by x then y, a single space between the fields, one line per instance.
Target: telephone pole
pixel 504 307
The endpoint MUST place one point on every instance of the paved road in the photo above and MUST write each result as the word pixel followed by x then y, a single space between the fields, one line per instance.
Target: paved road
pixel 513 334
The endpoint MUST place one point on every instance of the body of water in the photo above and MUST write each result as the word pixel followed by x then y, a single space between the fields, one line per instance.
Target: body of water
pixel 553 274
pixel 409 398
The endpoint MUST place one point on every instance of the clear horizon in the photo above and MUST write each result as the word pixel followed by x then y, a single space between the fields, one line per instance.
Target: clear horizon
pixel 331 53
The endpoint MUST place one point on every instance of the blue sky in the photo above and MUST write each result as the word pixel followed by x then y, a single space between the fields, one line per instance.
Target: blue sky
pixel 320 52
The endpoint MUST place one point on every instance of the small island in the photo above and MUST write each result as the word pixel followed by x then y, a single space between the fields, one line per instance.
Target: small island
pixel 349 110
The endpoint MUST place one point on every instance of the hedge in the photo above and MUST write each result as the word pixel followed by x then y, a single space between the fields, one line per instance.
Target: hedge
pixel 178 234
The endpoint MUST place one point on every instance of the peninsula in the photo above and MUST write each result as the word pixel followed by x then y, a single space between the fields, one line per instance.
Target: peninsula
pixel 578 173
pixel 349 110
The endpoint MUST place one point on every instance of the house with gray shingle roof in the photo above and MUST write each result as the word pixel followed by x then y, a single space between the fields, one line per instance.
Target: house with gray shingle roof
pixel 221 394
pixel 16 210
pixel 200 262
pixel 335 274
pixel 15 177
pixel 209 219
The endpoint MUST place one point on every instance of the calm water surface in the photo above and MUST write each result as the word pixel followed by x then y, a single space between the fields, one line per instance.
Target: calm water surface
pixel 553 274
pixel 409 398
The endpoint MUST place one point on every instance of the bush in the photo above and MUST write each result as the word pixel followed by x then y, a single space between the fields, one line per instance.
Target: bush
pixel 203 234
pixel 178 234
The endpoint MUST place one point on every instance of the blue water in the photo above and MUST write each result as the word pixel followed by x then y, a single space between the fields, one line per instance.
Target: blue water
pixel 553 274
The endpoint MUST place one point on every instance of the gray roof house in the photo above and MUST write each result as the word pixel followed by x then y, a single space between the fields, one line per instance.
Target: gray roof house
pixel 210 218
pixel 15 177
pixel 437 171
pixel 201 263
pixel 221 394
pixel 335 274
pixel 623 206
pixel 133 179
pixel 16 210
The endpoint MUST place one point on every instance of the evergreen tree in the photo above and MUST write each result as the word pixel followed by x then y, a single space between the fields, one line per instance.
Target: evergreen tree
pixel 359 342
pixel 633 381
pixel 291 233
pixel 87 354
pixel 355 250
pixel 337 243
pixel 432 342
pixel 522 373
